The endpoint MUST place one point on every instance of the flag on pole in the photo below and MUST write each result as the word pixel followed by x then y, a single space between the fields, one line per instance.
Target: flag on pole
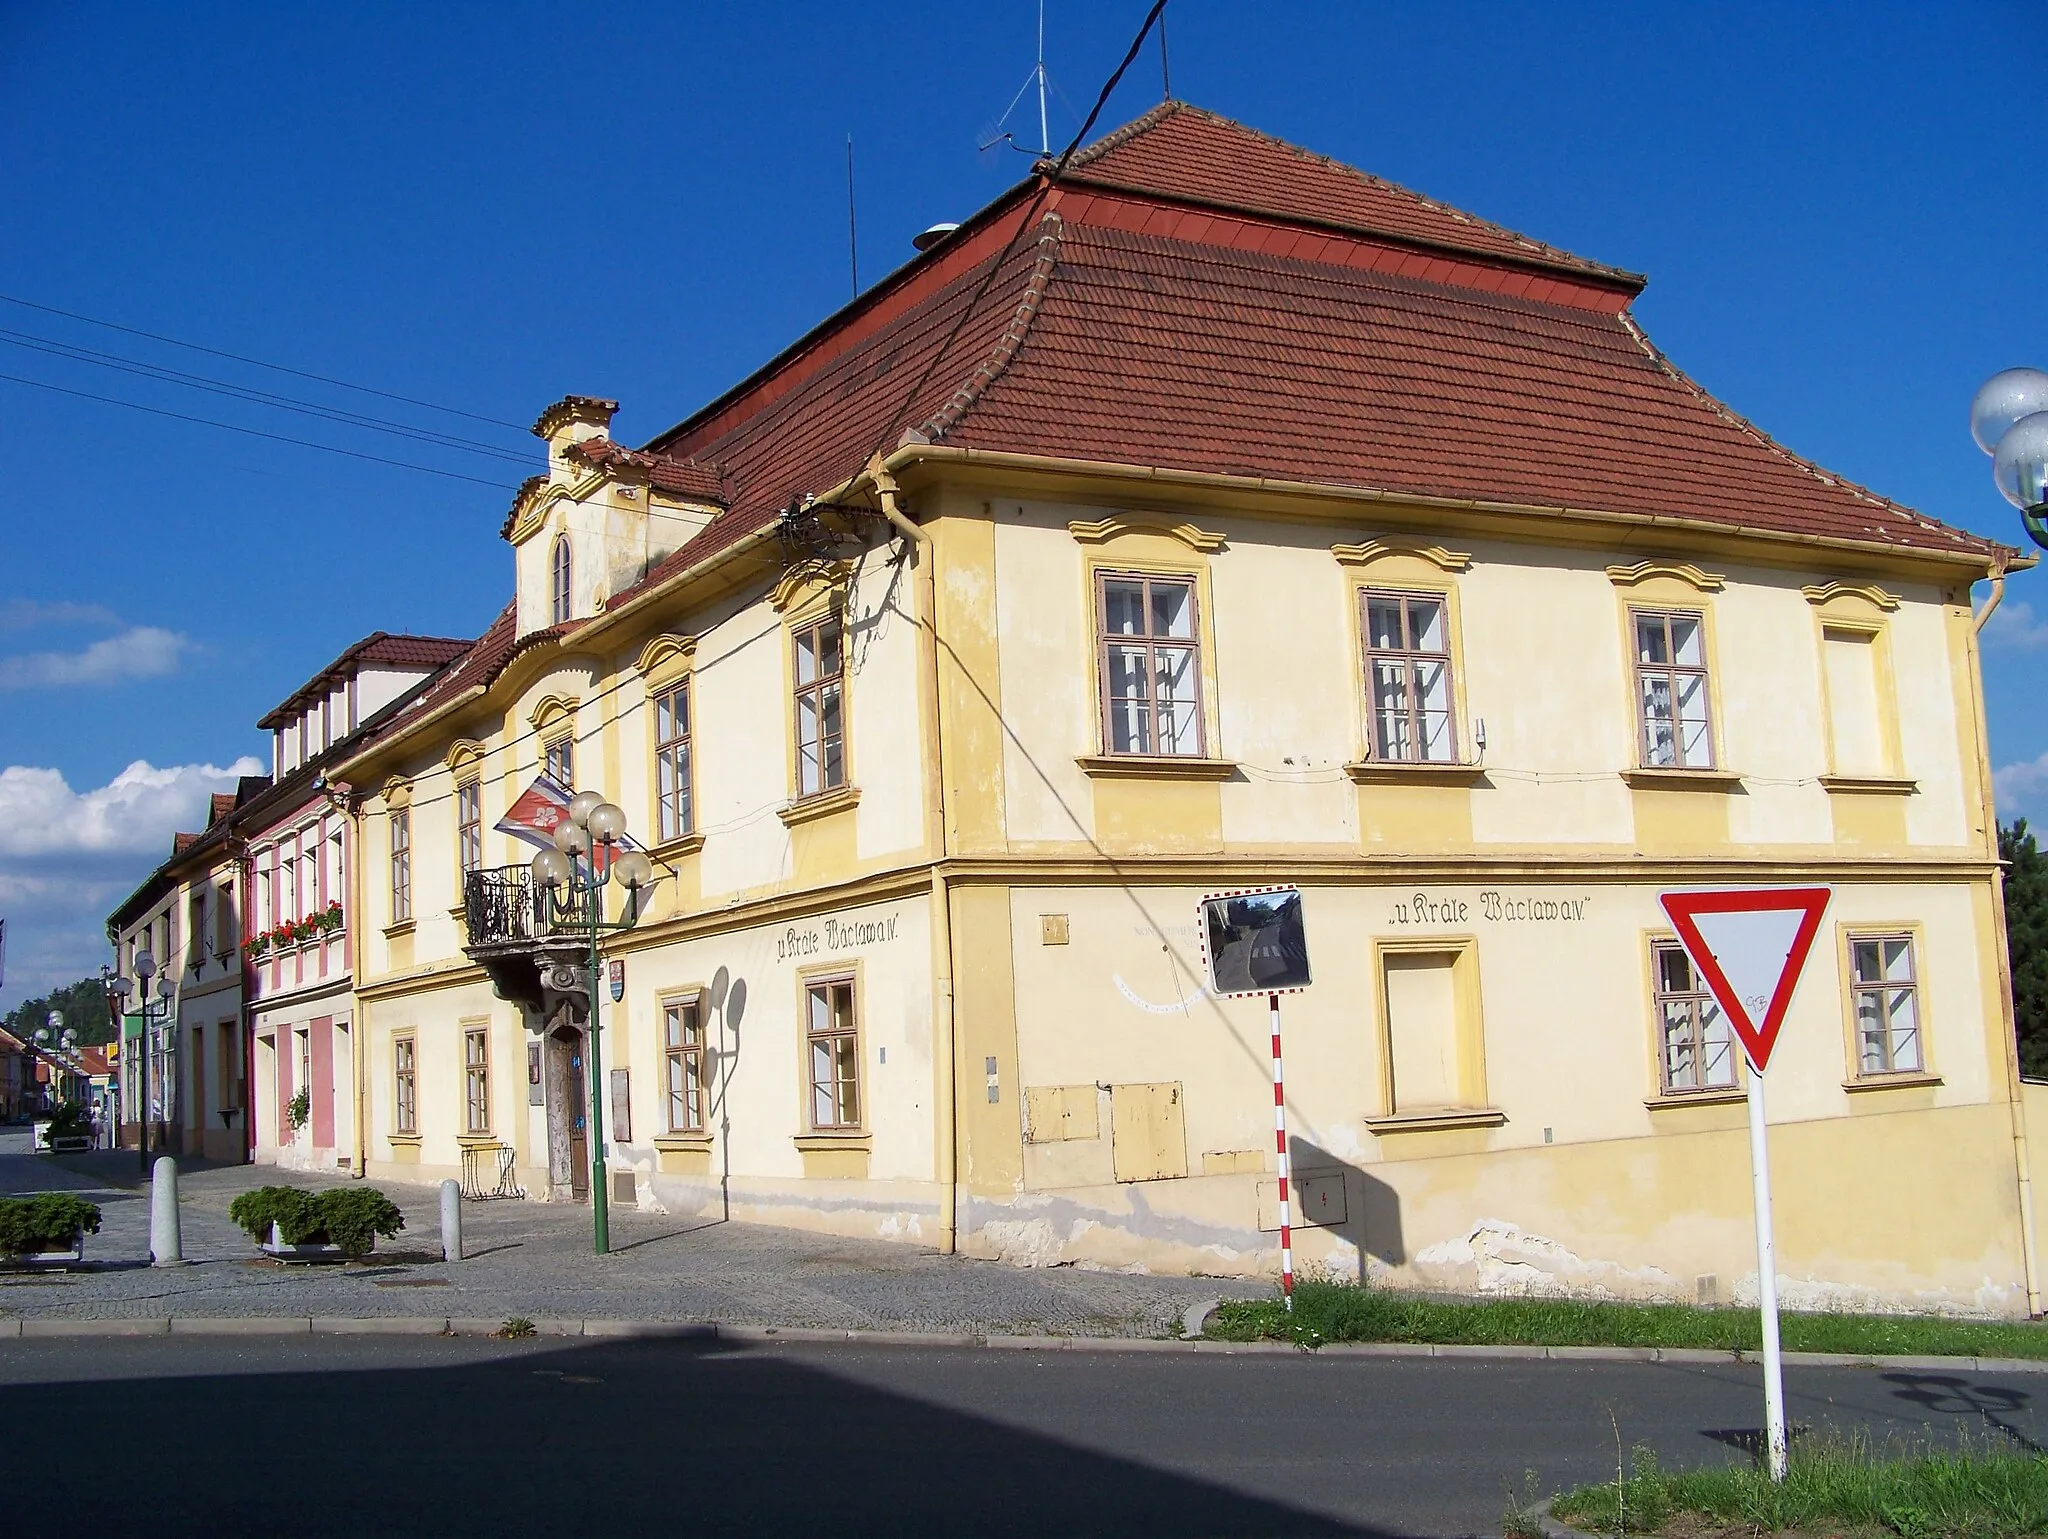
pixel 542 808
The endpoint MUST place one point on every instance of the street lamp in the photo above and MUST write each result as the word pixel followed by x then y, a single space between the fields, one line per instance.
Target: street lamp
pixel 2009 420
pixel 568 884
pixel 56 1043
pixel 152 1017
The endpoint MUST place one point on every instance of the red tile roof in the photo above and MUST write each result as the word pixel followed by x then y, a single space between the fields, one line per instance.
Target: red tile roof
pixel 1184 153
pixel 685 476
pixel 380 649
pixel 222 803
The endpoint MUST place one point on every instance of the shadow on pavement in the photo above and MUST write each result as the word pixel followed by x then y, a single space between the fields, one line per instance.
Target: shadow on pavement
pixel 618 1438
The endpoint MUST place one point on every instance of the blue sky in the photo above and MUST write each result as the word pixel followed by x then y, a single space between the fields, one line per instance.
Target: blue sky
pixel 489 207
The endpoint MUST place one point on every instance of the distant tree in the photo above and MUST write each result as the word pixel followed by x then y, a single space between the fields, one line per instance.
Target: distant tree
pixel 2026 939
pixel 82 1004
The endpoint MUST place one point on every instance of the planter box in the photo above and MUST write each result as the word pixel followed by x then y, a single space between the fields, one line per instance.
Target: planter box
pixel 46 1260
pixel 71 1143
pixel 276 1248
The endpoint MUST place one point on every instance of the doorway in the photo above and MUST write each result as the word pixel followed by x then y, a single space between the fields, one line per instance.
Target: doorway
pixel 567 1111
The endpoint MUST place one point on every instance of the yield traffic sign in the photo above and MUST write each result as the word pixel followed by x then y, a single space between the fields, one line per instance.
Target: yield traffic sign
pixel 1749 944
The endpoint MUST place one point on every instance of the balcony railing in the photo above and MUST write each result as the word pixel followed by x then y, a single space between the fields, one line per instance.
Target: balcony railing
pixel 502 908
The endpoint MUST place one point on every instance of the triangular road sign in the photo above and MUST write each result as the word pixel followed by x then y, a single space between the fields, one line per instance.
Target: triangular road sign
pixel 1749 944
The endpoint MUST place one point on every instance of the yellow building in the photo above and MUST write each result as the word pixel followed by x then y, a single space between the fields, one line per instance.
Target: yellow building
pixel 1220 516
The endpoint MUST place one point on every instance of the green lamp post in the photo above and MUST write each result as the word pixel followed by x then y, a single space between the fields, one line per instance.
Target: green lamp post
pixel 569 885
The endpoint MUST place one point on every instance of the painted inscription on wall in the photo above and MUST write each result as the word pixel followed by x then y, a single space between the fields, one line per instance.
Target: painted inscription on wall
pixel 842 932
pixel 1494 907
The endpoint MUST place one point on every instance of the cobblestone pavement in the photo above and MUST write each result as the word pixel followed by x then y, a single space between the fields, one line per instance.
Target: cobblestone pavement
pixel 535 1260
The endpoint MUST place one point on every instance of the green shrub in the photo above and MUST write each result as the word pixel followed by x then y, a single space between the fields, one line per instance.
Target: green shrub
pixel 349 1216
pixel 70 1121
pixel 48 1222
pixel 354 1216
pixel 292 1210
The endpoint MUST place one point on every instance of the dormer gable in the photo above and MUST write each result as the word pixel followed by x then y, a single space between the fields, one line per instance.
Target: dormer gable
pixel 600 516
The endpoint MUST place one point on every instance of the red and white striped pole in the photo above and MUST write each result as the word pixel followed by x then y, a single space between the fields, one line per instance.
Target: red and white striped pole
pixel 1280 1143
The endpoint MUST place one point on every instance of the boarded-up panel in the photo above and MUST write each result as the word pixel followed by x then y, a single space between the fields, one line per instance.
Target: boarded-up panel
pixel 622 1106
pixel 1148 1132
pixel 1852 703
pixel 1054 1113
pixel 1422 1030
pixel 1317 1201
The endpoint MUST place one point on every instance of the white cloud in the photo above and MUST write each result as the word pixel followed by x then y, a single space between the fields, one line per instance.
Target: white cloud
pixel 21 614
pixel 2022 790
pixel 2016 627
pixel 135 812
pixel 141 652
pixel 67 857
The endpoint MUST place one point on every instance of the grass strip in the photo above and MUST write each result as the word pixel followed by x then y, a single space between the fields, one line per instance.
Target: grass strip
pixel 1968 1493
pixel 1327 1312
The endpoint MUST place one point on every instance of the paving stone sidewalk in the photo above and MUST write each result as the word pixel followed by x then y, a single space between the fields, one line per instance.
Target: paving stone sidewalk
pixel 535 1260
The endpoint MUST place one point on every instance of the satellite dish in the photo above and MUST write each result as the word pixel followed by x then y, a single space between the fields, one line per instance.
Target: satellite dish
pixel 929 237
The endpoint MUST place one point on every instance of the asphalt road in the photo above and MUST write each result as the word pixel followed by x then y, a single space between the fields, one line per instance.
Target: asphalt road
pixel 460 1436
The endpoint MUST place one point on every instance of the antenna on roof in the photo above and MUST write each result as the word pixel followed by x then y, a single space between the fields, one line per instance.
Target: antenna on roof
pixel 852 237
pixel 1043 81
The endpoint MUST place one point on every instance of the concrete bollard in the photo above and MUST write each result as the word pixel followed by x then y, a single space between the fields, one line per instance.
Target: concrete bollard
pixel 451 1220
pixel 166 1241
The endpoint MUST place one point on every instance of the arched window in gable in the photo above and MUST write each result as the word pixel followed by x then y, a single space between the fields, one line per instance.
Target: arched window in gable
pixel 559 610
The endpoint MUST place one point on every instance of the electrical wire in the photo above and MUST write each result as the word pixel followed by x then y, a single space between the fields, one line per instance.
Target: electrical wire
pixel 127 365
pixel 258 363
pixel 1024 224
pixel 282 438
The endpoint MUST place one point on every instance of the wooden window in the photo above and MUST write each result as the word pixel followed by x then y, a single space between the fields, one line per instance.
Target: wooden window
pixel 561 582
pixel 1149 659
pixel 673 813
pixel 683 1045
pixel 230 1098
pixel 227 924
pixel 195 929
pixel 469 826
pixel 1673 730
pixel 820 687
pixel 1887 1004
pixel 1696 1050
pixel 558 762
pixel 833 1041
pixel 401 865
pixel 405 1103
pixel 309 875
pixel 476 1081
pixel 1408 677
pixel 1854 721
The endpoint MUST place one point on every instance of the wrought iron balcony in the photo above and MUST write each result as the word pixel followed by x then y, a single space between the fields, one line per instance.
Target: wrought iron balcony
pixel 502 907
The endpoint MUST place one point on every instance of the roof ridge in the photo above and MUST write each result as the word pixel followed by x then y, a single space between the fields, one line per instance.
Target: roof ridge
pixel 1051 229
pixel 1145 122
pixel 1817 471
pixel 1150 120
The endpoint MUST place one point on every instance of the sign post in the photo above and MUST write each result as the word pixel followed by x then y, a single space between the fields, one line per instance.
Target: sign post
pixel 1253 943
pixel 1750 945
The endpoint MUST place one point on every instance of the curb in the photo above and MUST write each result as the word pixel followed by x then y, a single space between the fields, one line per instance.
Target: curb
pixel 14 1327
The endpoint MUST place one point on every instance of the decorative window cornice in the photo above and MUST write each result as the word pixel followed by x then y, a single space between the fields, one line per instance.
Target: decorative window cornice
pixel 1818 594
pixel 808 580
pixel 463 753
pixel 1628 576
pixel 551 708
pixel 1380 550
pixel 1101 531
pixel 665 651
pixel 397 793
